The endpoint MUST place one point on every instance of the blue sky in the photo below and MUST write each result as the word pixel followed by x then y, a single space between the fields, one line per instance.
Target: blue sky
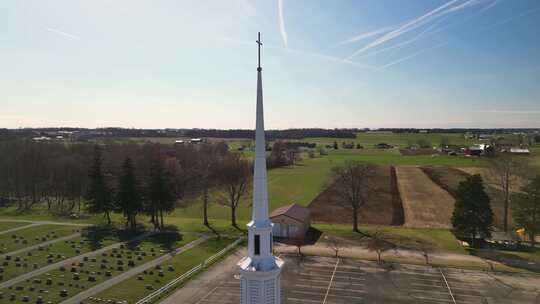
pixel 192 63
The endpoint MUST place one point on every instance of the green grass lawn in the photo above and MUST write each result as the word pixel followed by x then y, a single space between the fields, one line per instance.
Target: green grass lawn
pixel 408 238
pixel 401 139
pixel 10 225
pixel 100 268
pixel 135 289
pixel 33 235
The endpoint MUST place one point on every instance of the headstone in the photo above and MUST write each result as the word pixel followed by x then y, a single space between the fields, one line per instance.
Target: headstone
pixel 63 293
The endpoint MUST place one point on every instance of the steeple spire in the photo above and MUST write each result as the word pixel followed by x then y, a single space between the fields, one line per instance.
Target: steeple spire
pixel 260 269
pixel 260 44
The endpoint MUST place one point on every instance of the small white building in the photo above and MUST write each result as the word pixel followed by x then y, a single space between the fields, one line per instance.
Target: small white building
pixel 290 221
pixel 520 151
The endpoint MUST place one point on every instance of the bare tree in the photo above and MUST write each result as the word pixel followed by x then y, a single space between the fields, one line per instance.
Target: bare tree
pixel 234 175
pixel 298 241
pixel 378 245
pixel 353 183
pixel 335 243
pixel 505 171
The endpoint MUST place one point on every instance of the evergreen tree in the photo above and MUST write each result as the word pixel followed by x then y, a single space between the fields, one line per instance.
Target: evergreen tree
pixel 160 195
pixel 128 197
pixel 99 195
pixel 472 217
pixel 526 208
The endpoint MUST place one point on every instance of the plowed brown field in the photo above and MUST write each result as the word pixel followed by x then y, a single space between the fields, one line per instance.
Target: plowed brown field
pixel 425 204
pixel 383 208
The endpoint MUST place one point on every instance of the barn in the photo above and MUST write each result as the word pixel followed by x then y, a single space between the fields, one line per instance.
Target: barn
pixel 290 221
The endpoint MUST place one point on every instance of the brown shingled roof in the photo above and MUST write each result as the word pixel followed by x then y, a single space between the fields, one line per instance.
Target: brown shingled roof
pixel 294 211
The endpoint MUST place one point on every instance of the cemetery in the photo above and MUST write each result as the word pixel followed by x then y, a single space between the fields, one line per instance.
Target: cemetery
pixel 12 266
pixel 71 278
pixel 134 289
pixel 33 235
pixel 11 225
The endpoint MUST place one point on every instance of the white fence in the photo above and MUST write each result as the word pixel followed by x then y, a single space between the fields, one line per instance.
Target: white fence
pixel 188 274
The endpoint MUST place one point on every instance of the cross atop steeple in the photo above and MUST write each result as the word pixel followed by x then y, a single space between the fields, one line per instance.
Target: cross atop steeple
pixel 260 44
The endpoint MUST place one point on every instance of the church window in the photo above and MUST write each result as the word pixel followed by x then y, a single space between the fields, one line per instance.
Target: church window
pixel 257 244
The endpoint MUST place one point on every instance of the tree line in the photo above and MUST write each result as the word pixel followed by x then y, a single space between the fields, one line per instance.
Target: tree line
pixel 131 179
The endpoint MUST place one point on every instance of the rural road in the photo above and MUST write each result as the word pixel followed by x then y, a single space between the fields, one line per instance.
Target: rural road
pixel 45 223
pixel 78 298
pixel 18 228
pixel 67 237
pixel 66 262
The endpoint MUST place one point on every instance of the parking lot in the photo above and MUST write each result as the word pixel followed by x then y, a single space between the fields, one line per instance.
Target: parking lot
pixel 338 281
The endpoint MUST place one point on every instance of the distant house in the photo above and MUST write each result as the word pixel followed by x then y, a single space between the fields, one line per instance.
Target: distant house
pixel 476 150
pixel 291 221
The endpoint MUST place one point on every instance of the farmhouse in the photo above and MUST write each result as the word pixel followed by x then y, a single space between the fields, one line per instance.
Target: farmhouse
pixel 290 221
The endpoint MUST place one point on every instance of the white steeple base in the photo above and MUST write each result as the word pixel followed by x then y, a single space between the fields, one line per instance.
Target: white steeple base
pixel 260 287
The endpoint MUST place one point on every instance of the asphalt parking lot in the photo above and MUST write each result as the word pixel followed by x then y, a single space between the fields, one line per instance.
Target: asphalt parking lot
pixel 339 281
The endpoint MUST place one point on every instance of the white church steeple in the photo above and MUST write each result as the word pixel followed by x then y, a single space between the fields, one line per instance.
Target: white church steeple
pixel 260 270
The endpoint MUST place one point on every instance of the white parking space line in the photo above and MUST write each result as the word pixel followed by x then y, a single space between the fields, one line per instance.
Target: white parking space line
pixel 331 279
pixel 446 282
pixel 430 286
pixel 433 299
pixel 206 296
pixel 303 300
pixel 308 293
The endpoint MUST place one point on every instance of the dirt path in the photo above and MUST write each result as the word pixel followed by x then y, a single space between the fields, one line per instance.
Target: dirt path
pixel 425 204
pixel 45 222
pixel 78 298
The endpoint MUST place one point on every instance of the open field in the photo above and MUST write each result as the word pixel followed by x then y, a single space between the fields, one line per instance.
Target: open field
pixel 338 281
pixel 66 281
pixel 304 182
pixel 425 204
pixel 140 286
pixel 382 208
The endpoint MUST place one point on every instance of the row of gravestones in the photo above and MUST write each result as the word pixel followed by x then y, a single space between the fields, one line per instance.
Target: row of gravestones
pixel 19 239
pixel 160 273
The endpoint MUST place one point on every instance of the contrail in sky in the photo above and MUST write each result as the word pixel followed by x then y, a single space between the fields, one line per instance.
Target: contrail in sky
pixel 411 25
pixel 412 56
pixel 366 35
pixel 68 35
pixel 282 24
pixel 428 33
